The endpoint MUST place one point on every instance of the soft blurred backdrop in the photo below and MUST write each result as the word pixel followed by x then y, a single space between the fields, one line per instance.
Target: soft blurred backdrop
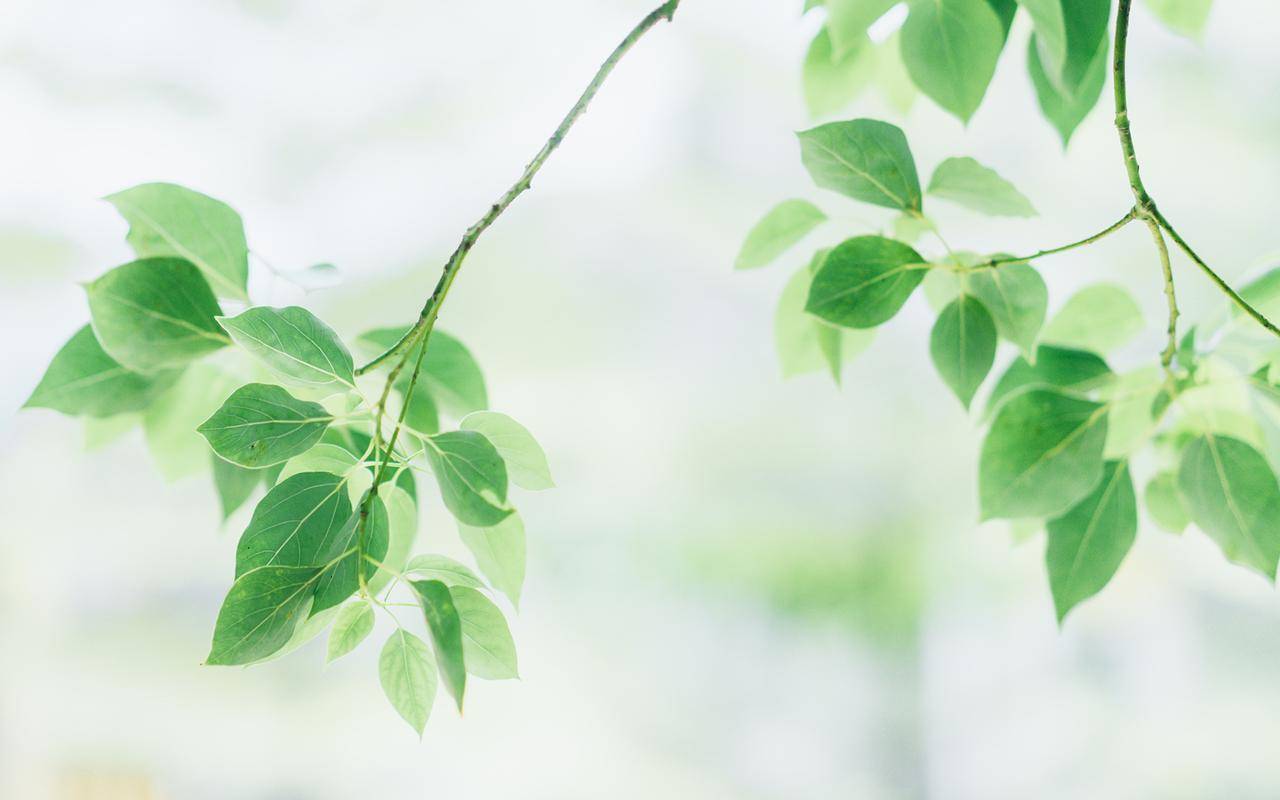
pixel 743 587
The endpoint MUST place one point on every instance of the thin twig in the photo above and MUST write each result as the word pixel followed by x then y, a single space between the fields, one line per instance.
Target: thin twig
pixel 1088 240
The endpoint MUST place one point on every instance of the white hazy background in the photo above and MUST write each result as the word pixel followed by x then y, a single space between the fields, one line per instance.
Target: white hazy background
pixel 742 587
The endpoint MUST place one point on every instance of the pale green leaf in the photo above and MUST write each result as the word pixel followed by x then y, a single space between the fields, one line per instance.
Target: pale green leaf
pixel 1130 424
pixel 1232 496
pixel 408 677
pixel 526 463
pixel 963 346
pixel 865 281
pixel 1088 543
pixel 1101 318
pixel 1187 17
pixel 353 623
pixel 965 181
pixel 443 569
pixel 449 371
pixel 169 220
pixel 155 314
pixel 83 380
pixel 293 343
pixel 472 476
pixel 1165 504
pixel 233 483
pixel 1042 455
pixel 1017 298
pixel 951 48
pixel 261 424
pixel 487 646
pixel 170 422
pixel 848 20
pixel 785 225
pixel 834 80
pixel 865 159
pixel 805 343
pixel 402 533
pixel 500 553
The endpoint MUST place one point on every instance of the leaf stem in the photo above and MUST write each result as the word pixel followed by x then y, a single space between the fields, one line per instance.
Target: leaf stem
pixel 1088 240
pixel 432 307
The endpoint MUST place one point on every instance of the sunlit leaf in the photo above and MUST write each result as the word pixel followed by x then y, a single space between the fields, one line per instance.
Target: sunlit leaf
pixel 848 20
pixel 443 569
pixel 449 371
pixel 834 80
pixel 865 159
pixel 233 483
pixel 487 646
pixel 294 343
pixel 965 181
pixel 1101 318
pixel 805 343
pixel 83 380
pixel 951 48
pixel 351 626
pixel 1017 298
pixel 865 281
pixel 1232 496
pixel 408 676
pixel 500 553
pixel 1165 504
pixel 785 225
pixel 1187 17
pixel 526 463
pixel 261 424
pixel 472 476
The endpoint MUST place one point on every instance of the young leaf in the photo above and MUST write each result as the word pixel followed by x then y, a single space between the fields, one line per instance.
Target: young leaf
pixel 1042 455
pixel 357 539
pixel 1087 544
pixel 1017 298
pixel 785 225
pixel 1187 17
pixel 1165 503
pixel 446 635
pixel 951 48
pixel 471 475
pixel 294 343
pixel 1232 495
pixel 1100 318
pixel 1054 366
pixel 1066 110
pixel 965 181
pixel 963 346
pixel 260 425
pixel 500 553
pixel 296 523
pixel 865 159
pixel 233 483
pixel 441 568
pixel 831 81
pixel 408 677
pixel 449 371
pixel 526 463
pixel 350 627
pixel 155 314
pixel 169 220
pixel 806 343
pixel 83 380
pixel 260 613
pixel 486 640
pixel 848 20
pixel 865 281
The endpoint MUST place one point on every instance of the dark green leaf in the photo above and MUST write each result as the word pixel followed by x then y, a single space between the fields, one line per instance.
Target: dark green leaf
pixel 445 627
pixel 865 159
pixel 1017 298
pixel 472 476
pixel 487 646
pixel 260 425
pixel 1232 495
pixel 154 314
pixel 1069 33
pixel 83 380
pixel 1042 455
pixel 864 282
pixel 408 676
pixel 296 524
pixel 951 48
pixel 1055 366
pixel 963 346
pixel 965 181
pixel 294 343
pixel 169 220
pixel 1066 110
pixel 1087 544
pixel 369 537
pixel 260 613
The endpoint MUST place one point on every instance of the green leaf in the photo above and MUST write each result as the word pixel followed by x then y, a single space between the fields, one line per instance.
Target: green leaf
pixel 1101 318
pixel 443 569
pixel 1005 10
pixel 1232 495
pixel 402 533
pixel 500 553
pixel 951 48
pixel 342 576
pixel 963 346
pixel 848 20
pixel 408 677
pixel 260 613
pixel 1129 422
pixel 785 225
pixel 170 421
pixel 1066 110
pixel 261 424
pixel 834 80
pixel 155 314
pixel 169 220
pixel 1187 17
pixel 965 181
pixel 233 483
pixel 294 343
pixel 1069 33
pixel 82 380
pixel 1165 503
pixel 1088 543
pixel 1055 366
pixel 296 523
pixel 449 371
pixel 806 343
pixel 865 159
pixel 445 627
pixel 353 623
pixel 1042 455
pixel 865 281
pixel 487 646
pixel 1017 298
pixel 472 476
pixel 526 463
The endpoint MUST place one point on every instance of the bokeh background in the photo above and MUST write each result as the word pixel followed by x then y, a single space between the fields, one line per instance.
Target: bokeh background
pixel 743 587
